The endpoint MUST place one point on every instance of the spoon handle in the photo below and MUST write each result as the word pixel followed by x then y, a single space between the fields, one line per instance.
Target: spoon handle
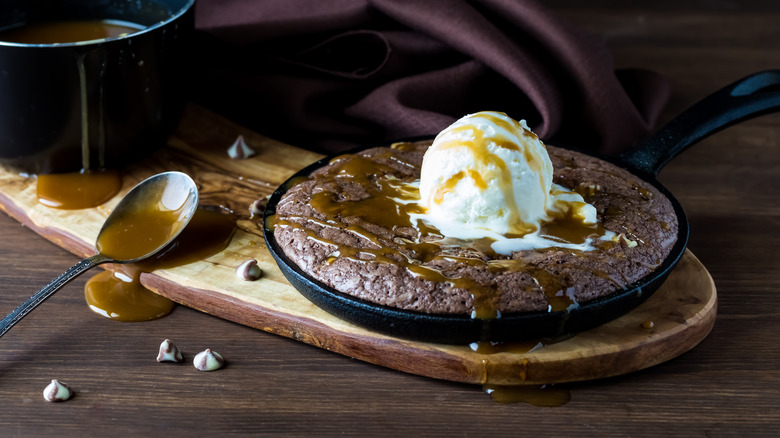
pixel 20 312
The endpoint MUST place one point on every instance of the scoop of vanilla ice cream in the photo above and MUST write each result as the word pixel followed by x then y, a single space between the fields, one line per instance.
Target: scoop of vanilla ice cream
pixel 488 175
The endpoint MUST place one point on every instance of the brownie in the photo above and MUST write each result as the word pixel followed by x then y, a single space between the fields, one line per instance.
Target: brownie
pixel 342 228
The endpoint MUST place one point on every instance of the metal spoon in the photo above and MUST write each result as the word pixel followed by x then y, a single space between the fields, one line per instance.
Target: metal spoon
pixel 170 195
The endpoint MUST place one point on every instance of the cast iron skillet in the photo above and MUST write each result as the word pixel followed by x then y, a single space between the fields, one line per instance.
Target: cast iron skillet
pixel 749 97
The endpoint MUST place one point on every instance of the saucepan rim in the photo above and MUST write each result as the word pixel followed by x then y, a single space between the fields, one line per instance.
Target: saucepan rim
pixel 151 28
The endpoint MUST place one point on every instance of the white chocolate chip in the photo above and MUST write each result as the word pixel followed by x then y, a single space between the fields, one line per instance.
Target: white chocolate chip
pixel 249 271
pixel 169 352
pixel 257 207
pixel 57 391
pixel 208 360
pixel 588 189
pixel 628 241
pixel 239 150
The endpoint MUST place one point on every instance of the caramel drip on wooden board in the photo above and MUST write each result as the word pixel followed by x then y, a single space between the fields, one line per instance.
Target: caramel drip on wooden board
pixel 119 295
pixel 77 190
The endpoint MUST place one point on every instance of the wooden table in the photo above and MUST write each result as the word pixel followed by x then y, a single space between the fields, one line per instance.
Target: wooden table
pixel 729 385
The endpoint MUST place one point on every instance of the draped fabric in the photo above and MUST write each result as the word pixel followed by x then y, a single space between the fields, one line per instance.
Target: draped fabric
pixel 330 75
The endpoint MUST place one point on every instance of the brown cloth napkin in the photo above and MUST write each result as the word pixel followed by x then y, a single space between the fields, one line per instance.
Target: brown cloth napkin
pixel 329 75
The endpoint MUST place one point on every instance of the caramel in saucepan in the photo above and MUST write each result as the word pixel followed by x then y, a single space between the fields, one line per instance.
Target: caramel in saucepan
pixel 68 31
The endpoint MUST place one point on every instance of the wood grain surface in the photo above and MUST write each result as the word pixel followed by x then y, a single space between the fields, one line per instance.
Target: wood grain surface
pixel 727 386
pixel 681 313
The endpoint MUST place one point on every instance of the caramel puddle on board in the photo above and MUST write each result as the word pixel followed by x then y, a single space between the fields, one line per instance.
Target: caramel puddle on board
pixel 120 296
pixel 535 395
pixel 78 190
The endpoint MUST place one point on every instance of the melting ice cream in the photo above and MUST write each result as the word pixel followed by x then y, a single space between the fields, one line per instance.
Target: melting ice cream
pixel 488 176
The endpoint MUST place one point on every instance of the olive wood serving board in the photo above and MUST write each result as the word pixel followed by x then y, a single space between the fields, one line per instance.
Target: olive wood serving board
pixel 674 320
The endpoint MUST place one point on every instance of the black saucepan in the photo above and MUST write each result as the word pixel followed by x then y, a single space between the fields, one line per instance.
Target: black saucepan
pixel 94 104
pixel 752 96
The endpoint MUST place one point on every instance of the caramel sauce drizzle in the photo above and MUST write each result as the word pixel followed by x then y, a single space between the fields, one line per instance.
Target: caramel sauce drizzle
pixel 452 182
pixel 389 202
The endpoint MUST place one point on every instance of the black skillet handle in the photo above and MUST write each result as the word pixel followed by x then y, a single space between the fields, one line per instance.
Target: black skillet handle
pixel 750 97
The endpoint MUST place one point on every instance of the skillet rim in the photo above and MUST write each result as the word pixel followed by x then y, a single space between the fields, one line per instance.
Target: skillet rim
pixel 463 329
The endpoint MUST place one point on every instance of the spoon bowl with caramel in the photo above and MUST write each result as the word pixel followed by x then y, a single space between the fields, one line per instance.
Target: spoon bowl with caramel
pixel 146 220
